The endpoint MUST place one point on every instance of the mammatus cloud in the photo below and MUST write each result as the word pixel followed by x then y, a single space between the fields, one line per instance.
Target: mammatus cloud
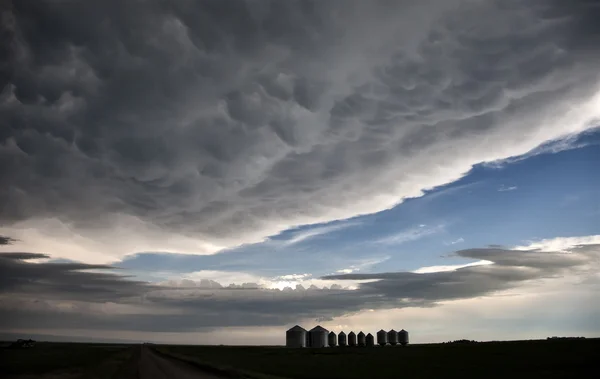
pixel 196 126
pixel 50 295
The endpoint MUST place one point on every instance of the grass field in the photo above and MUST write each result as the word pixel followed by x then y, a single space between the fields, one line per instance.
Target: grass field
pixel 63 360
pixel 518 359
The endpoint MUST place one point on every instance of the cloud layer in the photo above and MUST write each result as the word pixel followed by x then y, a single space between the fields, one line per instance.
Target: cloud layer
pixel 59 296
pixel 196 126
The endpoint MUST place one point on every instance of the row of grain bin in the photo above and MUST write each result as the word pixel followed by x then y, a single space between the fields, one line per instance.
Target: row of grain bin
pixel 321 337
pixel 299 337
pixel 392 337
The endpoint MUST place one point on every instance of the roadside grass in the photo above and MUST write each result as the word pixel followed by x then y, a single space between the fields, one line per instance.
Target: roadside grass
pixel 64 359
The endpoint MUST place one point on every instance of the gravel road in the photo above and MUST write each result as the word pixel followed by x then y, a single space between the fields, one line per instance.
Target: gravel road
pixel 151 365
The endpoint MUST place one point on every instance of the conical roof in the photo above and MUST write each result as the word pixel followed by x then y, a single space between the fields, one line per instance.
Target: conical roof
pixel 342 334
pixel 332 333
pixel 361 334
pixel 319 328
pixel 352 333
pixel 393 331
pixel 297 328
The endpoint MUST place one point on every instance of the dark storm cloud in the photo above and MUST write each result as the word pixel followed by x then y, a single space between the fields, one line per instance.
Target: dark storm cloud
pixel 63 281
pixel 227 121
pixel 23 256
pixel 4 240
pixel 206 305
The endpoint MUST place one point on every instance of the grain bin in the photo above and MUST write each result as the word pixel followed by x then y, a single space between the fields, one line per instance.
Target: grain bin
pixel 382 337
pixel 318 336
pixel 351 339
pixel 332 339
pixel 370 340
pixel 393 337
pixel 360 339
pixel 403 337
pixel 295 337
pixel 342 341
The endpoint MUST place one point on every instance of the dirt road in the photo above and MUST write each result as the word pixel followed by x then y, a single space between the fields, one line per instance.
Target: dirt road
pixel 151 365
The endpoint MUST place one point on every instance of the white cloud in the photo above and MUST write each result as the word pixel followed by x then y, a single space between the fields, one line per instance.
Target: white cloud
pixel 560 243
pixel 364 264
pixel 458 240
pixel 412 234
pixel 506 189
pixel 444 268
pixel 293 276
pixel 62 240
pixel 315 232
pixel 236 279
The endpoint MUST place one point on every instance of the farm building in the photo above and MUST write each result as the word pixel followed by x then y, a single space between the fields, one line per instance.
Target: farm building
pixel 392 337
pixel 295 337
pixel 352 339
pixel 370 340
pixel 342 341
pixel 403 337
pixel 361 339
pixel 382 337
pixel 320 337
pixel 317 337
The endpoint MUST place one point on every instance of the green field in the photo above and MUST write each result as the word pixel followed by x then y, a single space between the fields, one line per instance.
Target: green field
pixel 518 359
pixel 64 360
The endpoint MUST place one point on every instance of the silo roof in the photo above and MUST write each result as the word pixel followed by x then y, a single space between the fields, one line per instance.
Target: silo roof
pixel 361 333
pixel 297 328
pixel 319 328
pixel 330 333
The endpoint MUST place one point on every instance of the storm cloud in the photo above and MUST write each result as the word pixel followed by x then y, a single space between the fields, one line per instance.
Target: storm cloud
pixel 196 126
pixel 4 240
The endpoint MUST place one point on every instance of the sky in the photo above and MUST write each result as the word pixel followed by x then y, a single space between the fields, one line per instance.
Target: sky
pixel 216 172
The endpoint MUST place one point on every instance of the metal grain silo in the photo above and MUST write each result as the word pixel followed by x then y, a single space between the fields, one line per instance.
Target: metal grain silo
pixel 342 341
pixel 351 339
pixel 318 336
pixel 393 337
pixel 382 337
pixel 332 339
pixel 403 337
pixel 295 337
pixel 361 339
pixel 370 340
